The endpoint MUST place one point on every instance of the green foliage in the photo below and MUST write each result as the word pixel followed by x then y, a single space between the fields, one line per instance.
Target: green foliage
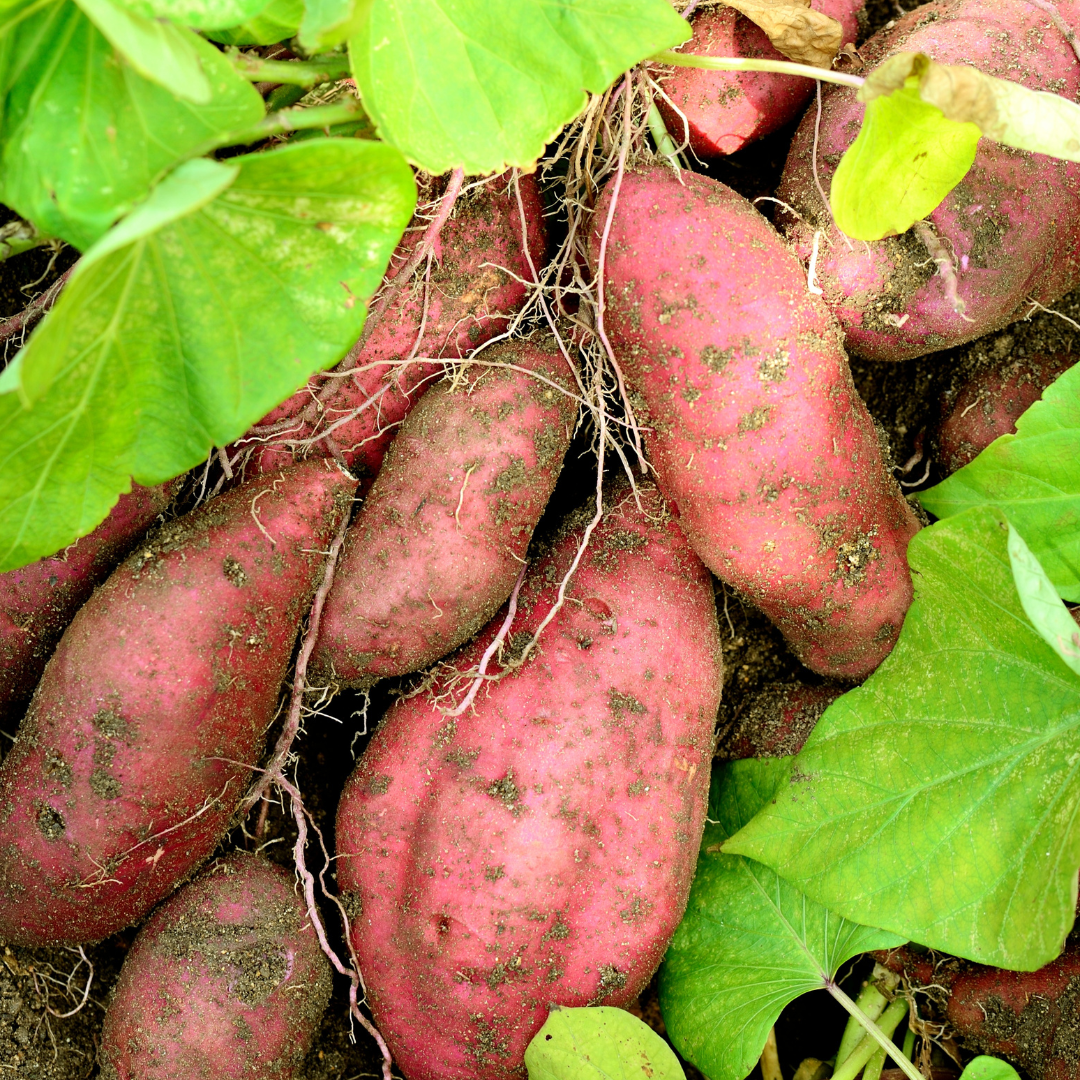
pixel 988 1068
pixel 906 159
pixel 485 86
pixel 278 21
pixel 600 1043
pixel 84 135
pixel 1034 476
pixel 202 310
pixel 750 943
pixel 939 799
pixel 327 23
pixel 202 14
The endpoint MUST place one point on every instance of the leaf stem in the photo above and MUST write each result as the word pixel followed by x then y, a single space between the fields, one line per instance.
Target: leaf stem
pixel 864 1051
pixel 319 69
pixel 278 123
pixel 742 63
pixel 872 1002
pixel 661 137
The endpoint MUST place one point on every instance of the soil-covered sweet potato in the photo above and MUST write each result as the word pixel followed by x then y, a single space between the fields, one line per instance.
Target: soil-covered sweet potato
pixel 38 601
pixel 776 721
pixel 1030 1018
pixel 478 268
pixel 722 111
pixel 441 537
pixel 1010 228
pixel 757 434
pixel 538 848
pixel 226 981
pixel 141 737
pixel 988 404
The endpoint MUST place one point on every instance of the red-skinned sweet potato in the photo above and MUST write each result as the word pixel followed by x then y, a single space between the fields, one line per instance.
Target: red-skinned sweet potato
pixel 777 720
pixel 1011 226
pixel 759 437
pixel 988 404
pixel 226 980
pixel 439 542
pixel 539 848
pixel 141 736
pixel 725 110
pixel 38 601
pixel 478 259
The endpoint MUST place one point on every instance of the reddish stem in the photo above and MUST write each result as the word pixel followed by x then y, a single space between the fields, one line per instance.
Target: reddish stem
pixel 35 308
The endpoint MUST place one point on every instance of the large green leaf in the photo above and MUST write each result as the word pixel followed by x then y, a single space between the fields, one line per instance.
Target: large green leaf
pixel 484 86
pixel 941 799
pixel 327 23
pixel 278 21
pixel 203 14
pixel 600 1043
pixel 749 943
pixel 1034 476
pixel 84 135
pixel 187 323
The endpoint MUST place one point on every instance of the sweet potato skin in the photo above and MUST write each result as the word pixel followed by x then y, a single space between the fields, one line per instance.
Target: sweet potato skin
pixel 38 601
pixel 141 736
pixel 760 439
pixel 226 980
pixel 539 848
pixel 441 537
pixel 726 110
pixel 1012 224
pixel 478 259
pixel 988 404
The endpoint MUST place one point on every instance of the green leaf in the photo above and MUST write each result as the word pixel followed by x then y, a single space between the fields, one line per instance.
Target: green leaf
pixel 940 799
pixel 600 1043
pixel 158 51
pixel 988 1068
pixel 189 322
pixel 278 21
pixel 749 943
pixel 1041 603
pixel 85 136
pixel 485 86
pixel 1034 476
pixel 202 14
pixel 906 159
pixel 328 23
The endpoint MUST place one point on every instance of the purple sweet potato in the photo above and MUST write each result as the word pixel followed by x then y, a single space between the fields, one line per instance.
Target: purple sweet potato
pixel 1011 227
pixel 539 848
pixel 758 435
pixel 1031 1018
pixel 474 287
pixel 776 721
pixel 38 601
pixel 988 404
pixel 725 110
pixel 140 738
pixel 440 540
pixel 225 982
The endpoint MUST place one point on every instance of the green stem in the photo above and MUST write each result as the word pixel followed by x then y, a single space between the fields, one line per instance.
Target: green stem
pixel 279 123
pixel 875 1033
pixel 874 1065
pixel 909 1041
pixel 872 1002
pixel 294 72
pixel 740 63
pixel 19 242
pixel 661 137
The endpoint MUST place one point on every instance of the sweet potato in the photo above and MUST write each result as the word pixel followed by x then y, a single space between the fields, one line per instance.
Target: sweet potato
pixel 141 736
pixel 1031 1018
pixel 474 286
pixel 38 601
pixel 725 110
pixel 439 542
pixel 1011 227
pixel 226 980
pixel 776 721
pixel 760 438
pixel 539 848
pixel 989 402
